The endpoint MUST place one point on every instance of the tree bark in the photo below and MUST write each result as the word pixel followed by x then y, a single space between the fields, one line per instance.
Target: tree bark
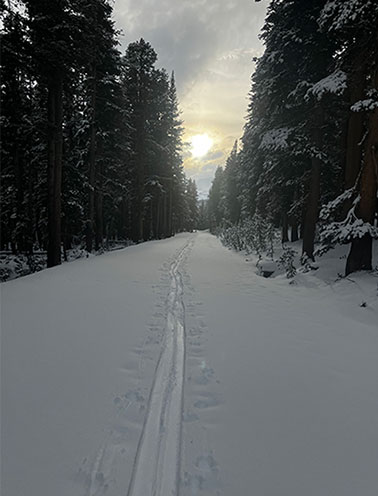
pixel 92 168
pixel 99 238
pixel 54 168
pixel 312 209
pixel 294 231
pixel 170 212
pixel 360 255
pixel 285 229
pixel 165 217
pixel 354 134
pixel 157 218
pixel 99 197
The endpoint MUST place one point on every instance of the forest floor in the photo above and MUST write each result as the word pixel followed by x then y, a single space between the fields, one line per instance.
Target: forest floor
pixel 172 367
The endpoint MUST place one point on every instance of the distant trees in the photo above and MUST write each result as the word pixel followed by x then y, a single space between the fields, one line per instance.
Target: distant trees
pixel 191 196
pixel 91 139
pixel 203 215
pixel 155 143
pixel 216 200
pixel 308 161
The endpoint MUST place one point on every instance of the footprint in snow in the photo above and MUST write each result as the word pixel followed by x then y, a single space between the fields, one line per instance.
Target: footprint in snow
pixel 206 479
pixel 123 402
pixel 208 400
pixel 190 417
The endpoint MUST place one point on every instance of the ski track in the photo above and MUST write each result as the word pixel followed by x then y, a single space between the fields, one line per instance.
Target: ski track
pixel 156 469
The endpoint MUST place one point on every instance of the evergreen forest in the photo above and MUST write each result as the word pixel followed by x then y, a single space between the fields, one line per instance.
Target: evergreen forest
pixel 91 138
pixel 309 153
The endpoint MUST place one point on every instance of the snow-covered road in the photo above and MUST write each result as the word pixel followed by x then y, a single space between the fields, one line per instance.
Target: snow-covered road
pixel 172 368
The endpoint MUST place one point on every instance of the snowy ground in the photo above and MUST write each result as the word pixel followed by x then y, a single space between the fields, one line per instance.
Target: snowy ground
pixel 277 395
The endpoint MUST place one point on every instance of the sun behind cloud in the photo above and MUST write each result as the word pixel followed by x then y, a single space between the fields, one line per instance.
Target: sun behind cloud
pixel 200 145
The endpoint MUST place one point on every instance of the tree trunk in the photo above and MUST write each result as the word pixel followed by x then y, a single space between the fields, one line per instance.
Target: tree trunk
pixel 303 221
pixel 30 234
pixel 99 239
pixel 54 169
pixel 19 238
pixel 360 255
pixel 165 217
pixel 170 212
pixel 92 169
pixel 285 229
pixel 354 135
pixel 294 231
pixel 312 209
pixel 157 225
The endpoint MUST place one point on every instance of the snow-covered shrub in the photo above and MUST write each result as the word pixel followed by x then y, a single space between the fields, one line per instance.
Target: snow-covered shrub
pixel 266 267
pixel 286 261
pixel 254 235
pixel 14 266
pixel 76 253
pixel 232 237
pixel 271 238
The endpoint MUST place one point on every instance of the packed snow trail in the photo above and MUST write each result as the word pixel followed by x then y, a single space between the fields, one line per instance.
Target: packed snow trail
pixel 279 395
pixel 159 450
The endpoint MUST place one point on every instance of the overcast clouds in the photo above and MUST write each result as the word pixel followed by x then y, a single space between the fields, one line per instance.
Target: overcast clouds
pixel 209 44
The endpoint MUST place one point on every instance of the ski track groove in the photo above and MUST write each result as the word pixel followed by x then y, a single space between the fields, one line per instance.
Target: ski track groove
pixel 156 470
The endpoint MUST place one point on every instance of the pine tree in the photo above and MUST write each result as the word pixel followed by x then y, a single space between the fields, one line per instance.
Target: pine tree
pixel 192 206
pixel 100 61
pixel 17 101
pixel 231 187
pixel 216 200
pixel 354 25
pixel 139 80
pixel 50 25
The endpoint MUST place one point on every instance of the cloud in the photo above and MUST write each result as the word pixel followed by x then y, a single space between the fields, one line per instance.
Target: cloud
pixel 189 34
pixel 210 45
pixel 202 169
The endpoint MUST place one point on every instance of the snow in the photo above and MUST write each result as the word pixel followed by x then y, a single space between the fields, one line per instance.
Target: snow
pixel 335 83
pixel 277 396
pixel 328 209
pixel 341 14
pixel 160 445
pixel 276 139
pixel 364 105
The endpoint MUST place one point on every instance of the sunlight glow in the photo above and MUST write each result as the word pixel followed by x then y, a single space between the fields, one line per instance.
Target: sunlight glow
pixel 201 144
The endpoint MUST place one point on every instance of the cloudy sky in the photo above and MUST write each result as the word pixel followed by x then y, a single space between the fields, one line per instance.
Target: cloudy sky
pixel 210 45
